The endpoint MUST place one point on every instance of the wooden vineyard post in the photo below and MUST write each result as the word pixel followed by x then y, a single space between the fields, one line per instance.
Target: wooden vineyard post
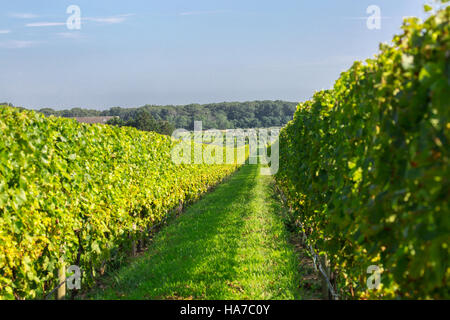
pixel 180 207
pixel 133 243
pixel 61 291
pixel 326 266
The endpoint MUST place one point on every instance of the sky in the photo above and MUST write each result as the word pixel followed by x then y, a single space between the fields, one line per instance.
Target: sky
pixel 137 52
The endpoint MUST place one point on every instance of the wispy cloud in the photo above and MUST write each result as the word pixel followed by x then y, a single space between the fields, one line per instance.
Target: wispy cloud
pixel 110 20
pixel 70 35
pixel 23 15
pixel 107 20
pixel 195 13
pixel 45 24
pixel 5 31
pixel 365 18
pixel 17 44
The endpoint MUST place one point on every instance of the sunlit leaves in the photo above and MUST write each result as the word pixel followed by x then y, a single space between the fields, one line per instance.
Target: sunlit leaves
pixel 68 188
pixel 369 162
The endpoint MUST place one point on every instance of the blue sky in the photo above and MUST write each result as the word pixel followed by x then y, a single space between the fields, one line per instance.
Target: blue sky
pixel 136 52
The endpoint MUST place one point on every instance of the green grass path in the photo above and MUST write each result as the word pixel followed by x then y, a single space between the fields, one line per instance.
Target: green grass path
pixel 229 245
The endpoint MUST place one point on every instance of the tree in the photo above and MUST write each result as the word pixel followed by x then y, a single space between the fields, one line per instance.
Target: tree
pixel 224 115
pixel 116 121
pixel 143 120
pixel 165 127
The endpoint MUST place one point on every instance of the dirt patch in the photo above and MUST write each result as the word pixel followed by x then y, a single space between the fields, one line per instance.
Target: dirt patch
pixel 310 283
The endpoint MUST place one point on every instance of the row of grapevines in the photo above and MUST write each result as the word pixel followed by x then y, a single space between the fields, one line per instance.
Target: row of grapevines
pixel 79 193
pixel 364 167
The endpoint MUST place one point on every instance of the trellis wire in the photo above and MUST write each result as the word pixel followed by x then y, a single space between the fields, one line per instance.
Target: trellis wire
pixel 174 212
pixel 314 255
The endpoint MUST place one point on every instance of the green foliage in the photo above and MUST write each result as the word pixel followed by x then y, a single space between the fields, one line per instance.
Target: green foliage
pixel 116 121
pixel 365 166
pixel 74 192
pixel 144 121
pixel 229 245
pixel 6 104
pixel 226 115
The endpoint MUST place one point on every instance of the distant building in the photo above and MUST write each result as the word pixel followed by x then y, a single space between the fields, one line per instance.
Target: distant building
pixel 92 120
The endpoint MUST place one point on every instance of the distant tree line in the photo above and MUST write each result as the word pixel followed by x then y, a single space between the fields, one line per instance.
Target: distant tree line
pixel 225 115
pixel 6 104
pixel 144 121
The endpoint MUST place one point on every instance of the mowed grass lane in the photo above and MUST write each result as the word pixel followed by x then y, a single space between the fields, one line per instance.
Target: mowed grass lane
pixel 229 245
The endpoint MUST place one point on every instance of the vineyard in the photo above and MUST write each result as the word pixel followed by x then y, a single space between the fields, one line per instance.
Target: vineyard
pixel 363 176
pixel 81 194
pixel 365 167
